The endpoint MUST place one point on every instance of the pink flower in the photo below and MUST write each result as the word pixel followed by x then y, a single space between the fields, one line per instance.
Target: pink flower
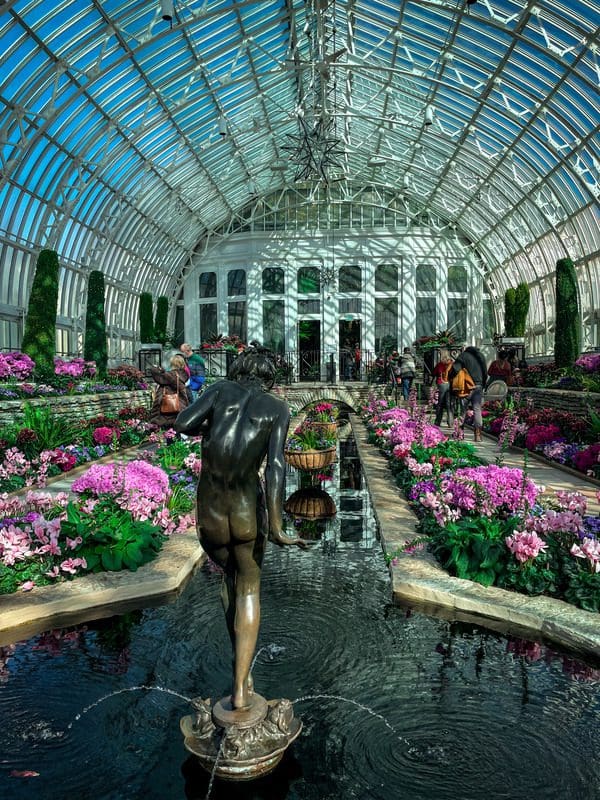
pixel 590 549
pixel 27 586
pixel 525 545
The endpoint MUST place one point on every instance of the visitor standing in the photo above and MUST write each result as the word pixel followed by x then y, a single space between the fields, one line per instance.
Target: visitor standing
pixel 171 395
pixel 241 424
pixel 197 367
pixel 357 361
pixel 442 383
pixel 471 359
pixel 500 368
pixel 408 370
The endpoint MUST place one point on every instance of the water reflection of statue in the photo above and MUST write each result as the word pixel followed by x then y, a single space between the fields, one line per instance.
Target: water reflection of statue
pixel 241 425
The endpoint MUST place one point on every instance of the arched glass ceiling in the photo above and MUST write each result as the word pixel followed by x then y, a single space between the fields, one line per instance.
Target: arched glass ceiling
pixel 125 140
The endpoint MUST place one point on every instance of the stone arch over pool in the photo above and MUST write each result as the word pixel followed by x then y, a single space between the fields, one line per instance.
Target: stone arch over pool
pixel 351 396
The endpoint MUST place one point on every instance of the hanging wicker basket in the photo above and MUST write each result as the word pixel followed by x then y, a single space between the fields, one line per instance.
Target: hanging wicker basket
pixel 326 428
pixel 310 459
pixel 310 503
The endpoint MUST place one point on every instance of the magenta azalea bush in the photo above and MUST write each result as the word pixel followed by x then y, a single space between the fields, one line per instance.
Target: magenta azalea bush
pixel 489 523
pixel 75 368
pixel 15 366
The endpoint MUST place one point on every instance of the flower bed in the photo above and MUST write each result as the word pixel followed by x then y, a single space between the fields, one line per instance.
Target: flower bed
pixel 559 436
pixel 46 444
pixel 489 523
pixel 118 519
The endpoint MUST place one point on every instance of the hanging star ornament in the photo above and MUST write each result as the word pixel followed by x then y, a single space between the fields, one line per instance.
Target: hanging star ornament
pixel 314 150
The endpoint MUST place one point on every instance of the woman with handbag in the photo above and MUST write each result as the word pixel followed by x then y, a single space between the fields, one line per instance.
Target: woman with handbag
pixel 171 395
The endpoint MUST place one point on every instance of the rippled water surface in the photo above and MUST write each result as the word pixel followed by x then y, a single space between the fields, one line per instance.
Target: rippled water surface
pixel 410 706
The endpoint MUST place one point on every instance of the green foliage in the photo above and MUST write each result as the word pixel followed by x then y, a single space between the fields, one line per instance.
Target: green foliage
pixel 181 501
pixel 583 589
pixel 160 321
pixel 171 457
pixel 521 309
pixel 145 317
pixel 95 348
pixel 474 548
pixel 509 312
pixel 39 338
pixel 112 539
pixel 51 429
pixel 567 332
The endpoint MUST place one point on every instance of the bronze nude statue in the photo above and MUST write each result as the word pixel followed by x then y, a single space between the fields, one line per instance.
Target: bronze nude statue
pixel 241 425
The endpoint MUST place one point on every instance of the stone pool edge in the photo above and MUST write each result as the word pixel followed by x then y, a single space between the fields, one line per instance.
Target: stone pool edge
pixel 100 595
pixel 420 581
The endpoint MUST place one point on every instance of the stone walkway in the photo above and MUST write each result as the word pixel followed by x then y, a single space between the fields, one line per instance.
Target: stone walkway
pixel 420 582
pixel 417 580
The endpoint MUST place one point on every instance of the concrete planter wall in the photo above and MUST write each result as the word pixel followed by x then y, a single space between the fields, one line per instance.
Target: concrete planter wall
pixel 81 406
pixel 560 400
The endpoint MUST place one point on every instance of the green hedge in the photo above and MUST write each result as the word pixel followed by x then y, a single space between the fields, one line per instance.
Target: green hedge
pixel 95 348
pixel 39 337
pixel 160 320
pixel 567 332
pixel 145 316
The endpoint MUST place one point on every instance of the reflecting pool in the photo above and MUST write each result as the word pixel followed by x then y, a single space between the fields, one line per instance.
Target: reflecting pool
pixel 395 704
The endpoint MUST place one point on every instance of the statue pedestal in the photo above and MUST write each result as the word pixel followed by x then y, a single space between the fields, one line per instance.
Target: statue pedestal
pixel 240 744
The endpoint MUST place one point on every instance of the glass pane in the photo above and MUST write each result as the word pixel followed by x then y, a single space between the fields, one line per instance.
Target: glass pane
pixel 386 324
pixel 309 281
pixel 425 312
pixel 208 321
pixel 237 319
pixel 236 282
pixel 457 317
pixel 457 279
pixel 349 279
pixel 208 284
pixel 179 324
pixel 425 278
pixel 272 280
pixel 489 324
pixel 309 306
pixel 386 278
pixel 349 305
pixel 274 324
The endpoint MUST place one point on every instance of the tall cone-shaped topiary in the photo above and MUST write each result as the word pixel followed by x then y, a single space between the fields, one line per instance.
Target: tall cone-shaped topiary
pixel 521 309
pixel 509 312
pixel 160 320
pixel 94 348
pixel 145 317
pixel 39 337
pixel 567 330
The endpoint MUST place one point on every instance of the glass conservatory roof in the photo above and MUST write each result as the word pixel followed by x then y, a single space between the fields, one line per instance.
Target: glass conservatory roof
pixel 131 129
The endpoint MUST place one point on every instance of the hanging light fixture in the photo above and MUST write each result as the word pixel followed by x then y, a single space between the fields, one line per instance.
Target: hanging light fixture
pixel 429 113
pixel 222 125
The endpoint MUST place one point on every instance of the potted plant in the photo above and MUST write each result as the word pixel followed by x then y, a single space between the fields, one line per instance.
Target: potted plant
pixel 309 448
pixel 323 416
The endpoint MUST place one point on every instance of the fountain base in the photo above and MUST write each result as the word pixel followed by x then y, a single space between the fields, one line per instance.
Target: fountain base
pixel 240 744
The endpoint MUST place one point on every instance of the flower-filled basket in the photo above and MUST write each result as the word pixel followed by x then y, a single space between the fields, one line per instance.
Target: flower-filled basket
pixel 310 449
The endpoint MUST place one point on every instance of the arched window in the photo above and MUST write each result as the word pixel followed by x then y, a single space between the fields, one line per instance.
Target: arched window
pixel 425 278
pixel 208 284
pixel 273 280
pixel 386 278
pixel 309 280
pixel 236 282
pixel 457 279
pixel 349 279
